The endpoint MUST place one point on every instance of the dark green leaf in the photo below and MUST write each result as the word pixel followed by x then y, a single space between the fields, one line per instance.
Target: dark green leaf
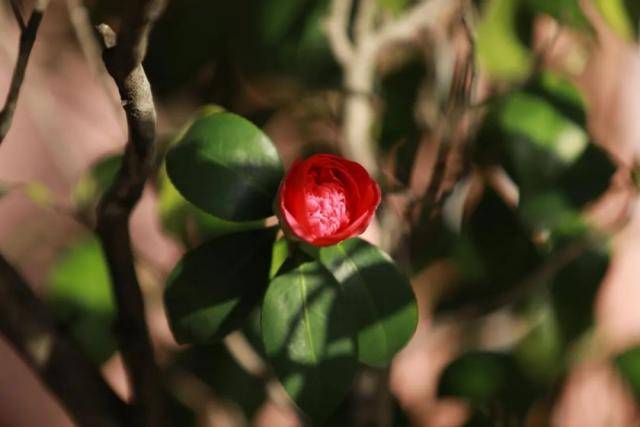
pixel 189 224
pixel 307 337
pixel 589 177
pixel 227 167
pixel 493 255
pixel 379 295
pixel 79 292
pixel 216 285
pixel 486 379
pixel 573 292
pixel 628 364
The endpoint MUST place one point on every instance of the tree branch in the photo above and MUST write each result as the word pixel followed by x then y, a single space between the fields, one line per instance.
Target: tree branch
pixel 64 370
pixel 27 38
pixel 358 61
pixel 123 60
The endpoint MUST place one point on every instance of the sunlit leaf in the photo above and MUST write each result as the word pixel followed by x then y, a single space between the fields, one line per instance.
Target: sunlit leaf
pixel 307 337
pixel 379 295
pixel 501 52
pixel 622 15
pixel 227 167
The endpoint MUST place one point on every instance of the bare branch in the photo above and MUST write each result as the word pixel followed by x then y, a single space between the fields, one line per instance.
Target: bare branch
pixel 358 61
pixel 16 7
pixel 336 28
pixel 65 371
pixel 363 26
pixel 91 49
pixel 423 15
pixel 27 38
pixel 123 59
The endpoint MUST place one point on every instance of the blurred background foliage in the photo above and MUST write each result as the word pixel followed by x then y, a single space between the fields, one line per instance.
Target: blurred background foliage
pixel 509 224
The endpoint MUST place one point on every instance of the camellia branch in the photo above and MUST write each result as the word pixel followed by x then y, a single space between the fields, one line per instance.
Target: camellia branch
pixel 123 57
pixel 27 38
pixel 27 325
pixel 358 61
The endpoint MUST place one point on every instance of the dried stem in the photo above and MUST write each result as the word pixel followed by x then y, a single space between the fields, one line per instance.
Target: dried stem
pixel 64 370
pixel 123 59
pixel 27 39
pixel 358 61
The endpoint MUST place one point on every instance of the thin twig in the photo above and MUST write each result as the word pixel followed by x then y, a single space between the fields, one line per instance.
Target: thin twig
pixel 16 7
pixel 81 23
pixel 123 59
pixel 358 61
pixel 27 39
pixel 64 370
pixel 336 27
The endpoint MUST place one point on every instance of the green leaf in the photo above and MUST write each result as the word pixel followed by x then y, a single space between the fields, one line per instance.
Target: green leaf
pixel 589 177
pixel 574 290
pixel 307 337
pixel 493 255
pixel 623 16
pixel 215 286
pixel 541 353
pixel 628 364
pixel 501 52
pixel 486 379
pixel 79 293
pixel 279 256
pixel 379 295
pixel 189 224
pixel 227 167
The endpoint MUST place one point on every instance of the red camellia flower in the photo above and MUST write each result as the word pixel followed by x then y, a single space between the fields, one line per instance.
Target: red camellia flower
pixel 326 199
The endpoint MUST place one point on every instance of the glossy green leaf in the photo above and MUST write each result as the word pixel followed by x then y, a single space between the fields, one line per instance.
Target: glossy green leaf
pixel 215 286
pixel 628 364
pixel 307 337
pixel 189 224
pixel 227 167
pixel 79 293
pixel 379 295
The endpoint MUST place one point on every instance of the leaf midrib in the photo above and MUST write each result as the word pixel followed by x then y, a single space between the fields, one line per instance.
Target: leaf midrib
pixel 305 314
